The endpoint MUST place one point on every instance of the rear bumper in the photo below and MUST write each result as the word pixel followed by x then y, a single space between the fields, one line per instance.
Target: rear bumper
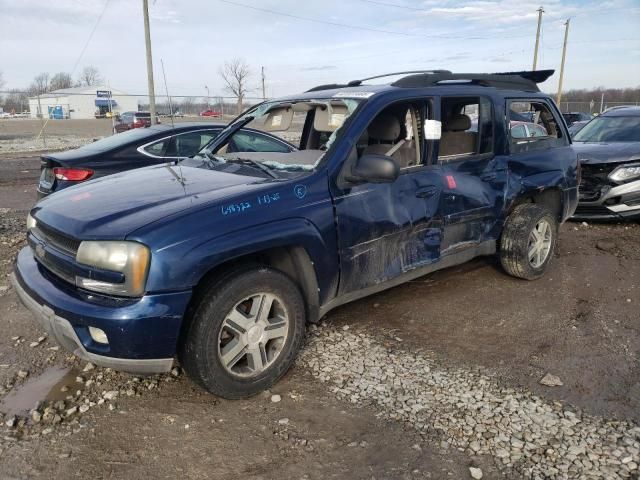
pixel 142 333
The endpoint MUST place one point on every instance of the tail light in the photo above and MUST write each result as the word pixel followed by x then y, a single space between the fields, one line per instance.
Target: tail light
pixel 72 174
pixel 138 124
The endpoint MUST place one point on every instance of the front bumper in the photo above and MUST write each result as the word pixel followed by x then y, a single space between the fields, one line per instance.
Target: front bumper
pixel 143 333
pixel 615 203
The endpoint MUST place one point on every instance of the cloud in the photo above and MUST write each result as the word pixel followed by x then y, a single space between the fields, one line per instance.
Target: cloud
pixel 315 69
pixel 499 60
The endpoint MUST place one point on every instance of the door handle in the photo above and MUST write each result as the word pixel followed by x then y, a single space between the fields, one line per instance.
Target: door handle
pixel 426 192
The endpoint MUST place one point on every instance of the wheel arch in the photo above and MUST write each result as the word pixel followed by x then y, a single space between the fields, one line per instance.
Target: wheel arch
pixel 543 188
pixel 292 260
pixel 551 198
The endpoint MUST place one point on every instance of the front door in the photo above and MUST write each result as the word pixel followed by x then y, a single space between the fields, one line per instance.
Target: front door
pixel 387 229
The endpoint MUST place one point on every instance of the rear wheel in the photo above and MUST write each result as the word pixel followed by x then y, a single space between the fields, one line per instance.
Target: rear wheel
pixel 245 333
pixel 528 241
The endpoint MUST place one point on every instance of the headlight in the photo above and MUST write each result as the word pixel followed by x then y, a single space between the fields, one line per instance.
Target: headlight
pixel 129 258
pixel 625 173
pixel 31 222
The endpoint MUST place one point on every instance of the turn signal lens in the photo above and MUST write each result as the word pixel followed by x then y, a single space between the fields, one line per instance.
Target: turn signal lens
pixel 31 222
pixel 98 335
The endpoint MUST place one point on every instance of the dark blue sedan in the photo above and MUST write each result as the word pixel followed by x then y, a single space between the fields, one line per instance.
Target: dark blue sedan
pixel 142 147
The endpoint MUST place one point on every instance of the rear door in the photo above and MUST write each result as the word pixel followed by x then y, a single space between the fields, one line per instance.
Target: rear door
pixel 544 158
pixel 475 175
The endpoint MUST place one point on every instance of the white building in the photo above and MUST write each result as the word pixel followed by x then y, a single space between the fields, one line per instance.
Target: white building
pixel 81 102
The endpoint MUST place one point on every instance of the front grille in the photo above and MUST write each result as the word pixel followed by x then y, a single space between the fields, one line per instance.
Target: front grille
pixel 595 180
pixel 55 239
pixel 64 272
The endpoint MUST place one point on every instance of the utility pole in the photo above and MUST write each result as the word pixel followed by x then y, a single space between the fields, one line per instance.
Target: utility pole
pixel 264 95
pixel 147 41
pixel 535 52
pixel 42 122
pixel 564 55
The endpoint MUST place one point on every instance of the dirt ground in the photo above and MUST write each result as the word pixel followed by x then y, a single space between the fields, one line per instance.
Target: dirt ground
pixel 580 322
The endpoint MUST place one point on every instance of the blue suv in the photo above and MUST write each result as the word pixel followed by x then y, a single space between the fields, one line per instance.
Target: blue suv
pixel 221 260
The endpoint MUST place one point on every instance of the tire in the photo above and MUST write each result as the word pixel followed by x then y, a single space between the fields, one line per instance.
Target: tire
pixel 229 320
pixel 518 240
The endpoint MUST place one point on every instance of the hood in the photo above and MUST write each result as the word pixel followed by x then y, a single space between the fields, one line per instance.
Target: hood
pixel 114 206
pixel 614 152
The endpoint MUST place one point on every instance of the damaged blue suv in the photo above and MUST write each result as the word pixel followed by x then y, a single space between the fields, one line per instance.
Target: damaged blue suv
pixel 221 260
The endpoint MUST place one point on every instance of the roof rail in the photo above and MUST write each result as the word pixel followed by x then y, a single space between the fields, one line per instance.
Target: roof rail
pixel 525 80
pixel 329 86
pixel 355 83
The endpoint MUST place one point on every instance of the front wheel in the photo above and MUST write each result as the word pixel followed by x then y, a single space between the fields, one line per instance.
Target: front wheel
pixel 245 333
pixel 528 241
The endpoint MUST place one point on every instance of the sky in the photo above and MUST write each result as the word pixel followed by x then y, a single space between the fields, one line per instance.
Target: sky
pixel 302 43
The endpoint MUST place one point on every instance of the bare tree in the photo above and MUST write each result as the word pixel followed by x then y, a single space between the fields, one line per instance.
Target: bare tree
pixel 16 101
pixel 90 76
pixel 187 105
pixel 61 80
pixel 39 85
pixel 2 83
pixel 235 74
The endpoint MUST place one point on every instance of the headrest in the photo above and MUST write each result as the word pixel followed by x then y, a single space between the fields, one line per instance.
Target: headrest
pixel 329 120
pixel 385 128
pixel 457 123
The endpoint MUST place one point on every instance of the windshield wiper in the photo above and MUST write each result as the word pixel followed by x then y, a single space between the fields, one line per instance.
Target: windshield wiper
pixel 254 164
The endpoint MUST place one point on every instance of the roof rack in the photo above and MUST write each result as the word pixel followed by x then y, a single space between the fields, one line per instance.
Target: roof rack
pixel 355 83
pixel 524 80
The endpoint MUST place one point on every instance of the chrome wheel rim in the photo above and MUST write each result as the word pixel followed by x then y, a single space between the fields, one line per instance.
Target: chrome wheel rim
pixel 539 243
pixel 253 335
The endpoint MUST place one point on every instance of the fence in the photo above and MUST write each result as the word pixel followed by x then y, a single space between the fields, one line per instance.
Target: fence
pixel 594 106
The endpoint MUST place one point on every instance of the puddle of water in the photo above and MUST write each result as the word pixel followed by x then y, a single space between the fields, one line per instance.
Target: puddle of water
pixel 44 387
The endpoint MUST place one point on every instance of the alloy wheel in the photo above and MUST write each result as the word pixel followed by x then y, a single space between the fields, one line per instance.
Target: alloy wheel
pixel 253 335
pixel 539 246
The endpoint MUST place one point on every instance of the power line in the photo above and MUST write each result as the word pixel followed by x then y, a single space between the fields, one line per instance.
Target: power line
pixel 361 27
pixel 104 9
pixel 394 5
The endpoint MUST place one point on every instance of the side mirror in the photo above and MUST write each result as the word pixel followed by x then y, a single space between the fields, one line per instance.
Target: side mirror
pixel 374 168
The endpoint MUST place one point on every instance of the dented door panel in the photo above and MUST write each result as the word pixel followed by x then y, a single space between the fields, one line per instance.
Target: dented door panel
pixel 387 229
pixel 472 200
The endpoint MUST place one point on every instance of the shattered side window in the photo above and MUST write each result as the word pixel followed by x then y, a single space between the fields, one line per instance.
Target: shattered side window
pixel 309 127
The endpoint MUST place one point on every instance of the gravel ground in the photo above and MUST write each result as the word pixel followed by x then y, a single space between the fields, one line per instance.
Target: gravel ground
pixel 467 410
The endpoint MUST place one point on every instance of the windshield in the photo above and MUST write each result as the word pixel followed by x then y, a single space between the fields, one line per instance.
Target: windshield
pixel 610 129
pixel 283 135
